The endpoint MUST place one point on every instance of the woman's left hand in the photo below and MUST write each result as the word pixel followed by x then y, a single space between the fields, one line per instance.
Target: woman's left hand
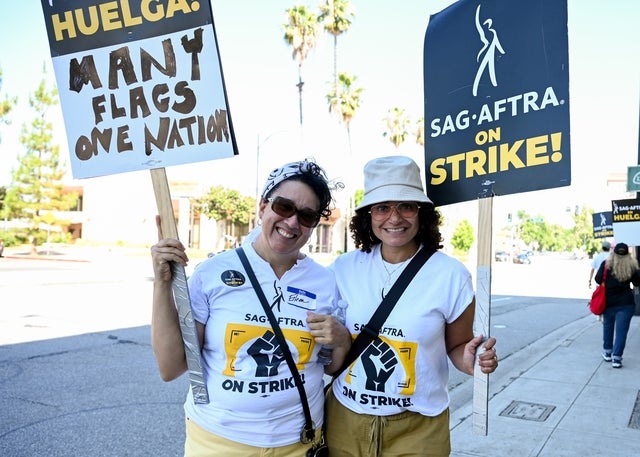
pixel 327 330
pixel 488 357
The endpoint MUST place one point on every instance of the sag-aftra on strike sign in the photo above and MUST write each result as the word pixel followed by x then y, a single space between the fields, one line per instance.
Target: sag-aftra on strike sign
pixel 496 84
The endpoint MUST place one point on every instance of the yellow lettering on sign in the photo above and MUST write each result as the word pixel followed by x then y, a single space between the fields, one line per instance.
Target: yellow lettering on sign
pixel 115 15
pixel 530 152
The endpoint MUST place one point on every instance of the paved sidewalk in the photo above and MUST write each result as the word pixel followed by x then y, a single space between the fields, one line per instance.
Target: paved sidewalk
pixel 559 398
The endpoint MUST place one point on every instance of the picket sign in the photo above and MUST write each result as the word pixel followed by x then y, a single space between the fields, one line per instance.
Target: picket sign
pixel 180 289
pixel 482 324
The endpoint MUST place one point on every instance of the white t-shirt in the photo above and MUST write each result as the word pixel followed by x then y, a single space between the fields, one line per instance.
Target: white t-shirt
pixel 253 396
pixel 406 368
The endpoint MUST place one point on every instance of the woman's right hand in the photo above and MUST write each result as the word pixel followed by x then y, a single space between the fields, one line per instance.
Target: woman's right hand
pixel 164 252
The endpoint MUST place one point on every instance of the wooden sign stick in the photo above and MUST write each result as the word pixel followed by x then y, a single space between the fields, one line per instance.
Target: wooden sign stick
pixel 483 313
pixel 180 290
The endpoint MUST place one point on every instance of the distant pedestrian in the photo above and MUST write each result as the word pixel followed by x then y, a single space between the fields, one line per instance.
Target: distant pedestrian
pixel 1 248
pixel 622 271
pixel 598 259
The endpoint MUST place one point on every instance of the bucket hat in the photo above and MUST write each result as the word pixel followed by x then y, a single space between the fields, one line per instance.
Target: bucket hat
pixel 392 178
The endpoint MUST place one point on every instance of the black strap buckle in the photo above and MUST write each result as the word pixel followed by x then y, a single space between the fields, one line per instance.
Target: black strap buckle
pixel 308 434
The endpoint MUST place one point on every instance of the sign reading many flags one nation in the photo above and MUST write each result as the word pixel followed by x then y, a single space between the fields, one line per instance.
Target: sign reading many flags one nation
pixel 140 84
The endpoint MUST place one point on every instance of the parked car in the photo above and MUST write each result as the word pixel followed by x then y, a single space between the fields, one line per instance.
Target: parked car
pixel 501 256
pixel 522 258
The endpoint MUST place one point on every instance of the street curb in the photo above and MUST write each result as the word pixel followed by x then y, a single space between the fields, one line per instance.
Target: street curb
pixel 42 257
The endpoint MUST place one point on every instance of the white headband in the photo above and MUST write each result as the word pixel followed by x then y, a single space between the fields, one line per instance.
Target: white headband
pixel 285 172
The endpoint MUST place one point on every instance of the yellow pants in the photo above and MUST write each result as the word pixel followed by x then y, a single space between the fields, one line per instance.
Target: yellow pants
pixel 350 434
pixel 201 443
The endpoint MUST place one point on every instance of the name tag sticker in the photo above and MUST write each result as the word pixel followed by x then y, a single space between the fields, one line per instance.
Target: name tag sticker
pixel 300 298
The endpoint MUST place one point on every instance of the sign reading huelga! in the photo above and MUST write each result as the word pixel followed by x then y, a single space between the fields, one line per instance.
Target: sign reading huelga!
pixel 140 84
pixel 496 84
pixel 626 221
pixel 602 225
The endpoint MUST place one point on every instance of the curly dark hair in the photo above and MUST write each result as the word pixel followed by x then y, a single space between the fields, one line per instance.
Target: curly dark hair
pixel 429 220
pixel 316 178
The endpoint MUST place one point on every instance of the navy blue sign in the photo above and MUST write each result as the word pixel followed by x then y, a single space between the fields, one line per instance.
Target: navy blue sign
pixel 496 84
pixel 602 225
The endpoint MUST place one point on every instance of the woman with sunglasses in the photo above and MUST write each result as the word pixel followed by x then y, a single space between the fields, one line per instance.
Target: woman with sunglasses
pixel 393 399
pixel 254 403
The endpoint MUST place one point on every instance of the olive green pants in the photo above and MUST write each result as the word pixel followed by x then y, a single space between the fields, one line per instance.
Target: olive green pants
pixel 406 434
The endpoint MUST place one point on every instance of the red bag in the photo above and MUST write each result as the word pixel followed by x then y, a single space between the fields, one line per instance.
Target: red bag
pixel 598 301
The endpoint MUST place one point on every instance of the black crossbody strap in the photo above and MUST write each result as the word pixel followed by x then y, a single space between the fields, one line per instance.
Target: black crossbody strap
pixel 308 433
pixel 371 331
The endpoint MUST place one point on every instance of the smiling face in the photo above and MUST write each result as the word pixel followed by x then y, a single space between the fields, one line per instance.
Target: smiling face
pixel 396 232
pixel 283 237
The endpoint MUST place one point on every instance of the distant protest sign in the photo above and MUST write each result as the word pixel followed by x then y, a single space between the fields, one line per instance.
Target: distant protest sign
pixel 496 84
pixel 602 225
pixel 140 84
pixel 626 221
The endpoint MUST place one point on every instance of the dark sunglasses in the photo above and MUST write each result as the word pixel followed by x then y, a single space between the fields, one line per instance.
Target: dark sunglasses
pixel 287 208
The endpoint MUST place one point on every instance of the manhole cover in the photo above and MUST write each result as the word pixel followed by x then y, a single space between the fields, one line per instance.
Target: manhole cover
pixel 528 411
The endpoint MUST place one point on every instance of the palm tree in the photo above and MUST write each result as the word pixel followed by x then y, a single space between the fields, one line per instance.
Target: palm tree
pixel 301 32
pixel 397 126
pixel 336 17
pixel 344 100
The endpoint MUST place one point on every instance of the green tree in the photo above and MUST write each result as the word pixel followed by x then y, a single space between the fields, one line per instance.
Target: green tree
pixel 6 105
pixel 35 194
pixel 583 230
pixel 301 32
pixel 531 229
pixel 229 205
pixel 463 238
pixel 358 197
pixel 419 133
pixel 3 195
pixel 397 123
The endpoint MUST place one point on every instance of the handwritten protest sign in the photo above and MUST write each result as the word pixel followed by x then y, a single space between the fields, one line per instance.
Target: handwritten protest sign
pixel 140 84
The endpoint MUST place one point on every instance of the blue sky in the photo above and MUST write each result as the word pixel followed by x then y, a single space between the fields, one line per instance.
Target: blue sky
pixel 384 49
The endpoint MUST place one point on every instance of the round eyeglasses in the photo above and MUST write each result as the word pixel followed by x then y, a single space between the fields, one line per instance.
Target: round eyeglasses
pixel 382 211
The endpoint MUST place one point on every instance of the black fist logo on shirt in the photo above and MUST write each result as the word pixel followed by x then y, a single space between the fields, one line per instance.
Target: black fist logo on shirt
pixel 267 354
pixel 379 361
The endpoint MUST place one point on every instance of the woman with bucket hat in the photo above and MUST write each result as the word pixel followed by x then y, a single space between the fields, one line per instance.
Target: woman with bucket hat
pixel 622 271
pixel 393 399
